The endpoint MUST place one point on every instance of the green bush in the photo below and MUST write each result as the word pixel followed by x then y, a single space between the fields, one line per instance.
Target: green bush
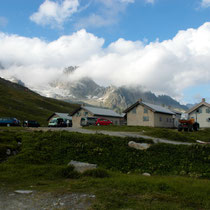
pixel 69 172
pixel 97 173
pixel 58 148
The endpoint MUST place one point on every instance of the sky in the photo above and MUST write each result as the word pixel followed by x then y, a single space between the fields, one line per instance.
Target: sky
pixel 161 45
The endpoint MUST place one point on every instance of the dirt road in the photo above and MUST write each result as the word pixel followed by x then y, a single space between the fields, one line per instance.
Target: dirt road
pixel 116 133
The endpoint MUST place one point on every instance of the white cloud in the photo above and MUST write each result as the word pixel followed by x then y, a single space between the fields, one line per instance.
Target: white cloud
pixel 3 21
pixel 166 67
pixel 55 13
pixel 107 13
pixel 205 3
pixel 150 1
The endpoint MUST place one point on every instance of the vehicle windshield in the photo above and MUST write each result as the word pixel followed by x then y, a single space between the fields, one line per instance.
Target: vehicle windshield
pixel 92 119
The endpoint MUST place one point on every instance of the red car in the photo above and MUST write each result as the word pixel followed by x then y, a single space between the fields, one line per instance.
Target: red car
pixel 101 121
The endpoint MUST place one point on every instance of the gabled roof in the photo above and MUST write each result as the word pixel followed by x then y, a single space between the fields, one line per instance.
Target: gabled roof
pixel 99 111
pixel 62 115
pixel 202 103
pixel 152 107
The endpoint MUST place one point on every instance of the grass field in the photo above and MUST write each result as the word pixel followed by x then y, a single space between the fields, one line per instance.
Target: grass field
pixel 118 191
pixel 165 133
pixel 180 174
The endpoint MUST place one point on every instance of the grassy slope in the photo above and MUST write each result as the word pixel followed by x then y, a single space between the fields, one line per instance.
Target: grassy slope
pixel 22 103
pixel 41 165
pixel 165 133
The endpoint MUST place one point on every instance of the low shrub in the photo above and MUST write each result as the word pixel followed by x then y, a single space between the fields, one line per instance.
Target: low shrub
pixel 69 172
pixel 97 173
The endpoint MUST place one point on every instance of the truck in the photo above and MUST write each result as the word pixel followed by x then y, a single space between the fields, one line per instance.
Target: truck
pixel 187 124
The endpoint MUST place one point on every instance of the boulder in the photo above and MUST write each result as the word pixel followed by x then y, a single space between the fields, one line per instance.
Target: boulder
pixel 139 146
pixel 146 174
pixel 81 166
pixel 24 191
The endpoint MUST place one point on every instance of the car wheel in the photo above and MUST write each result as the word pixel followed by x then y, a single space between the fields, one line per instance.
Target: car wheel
pixel 98 124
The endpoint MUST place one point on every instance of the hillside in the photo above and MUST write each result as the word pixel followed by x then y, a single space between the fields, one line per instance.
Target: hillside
pixel 22 103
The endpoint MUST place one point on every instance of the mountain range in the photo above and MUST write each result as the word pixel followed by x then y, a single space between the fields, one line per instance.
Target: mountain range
pixel 87 91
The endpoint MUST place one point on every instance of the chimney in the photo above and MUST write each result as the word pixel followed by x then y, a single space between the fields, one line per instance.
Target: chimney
pixel 140 100
pixel 203 99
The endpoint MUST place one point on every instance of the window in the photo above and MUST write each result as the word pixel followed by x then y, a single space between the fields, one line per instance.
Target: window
pixel 134 110
pixel 199 110
pixel 166 119
pixel 86 114
pixel 145 110
pixel 160 119
pixel 145 118
pixel 208 119
pixel 78 114
pixel 208 110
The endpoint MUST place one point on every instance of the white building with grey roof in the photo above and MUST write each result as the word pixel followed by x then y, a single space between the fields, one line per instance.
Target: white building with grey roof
pixel 201 113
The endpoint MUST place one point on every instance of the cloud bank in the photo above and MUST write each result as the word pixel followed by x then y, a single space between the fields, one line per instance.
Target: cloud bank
pixel 54 13
pixel 166 67
pixel 205 3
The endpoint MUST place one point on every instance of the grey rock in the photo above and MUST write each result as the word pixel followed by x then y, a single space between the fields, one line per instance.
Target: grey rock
pixel 146 174
pixel 139 146
pixel 81 166
pixel 24 191
pixel 8 152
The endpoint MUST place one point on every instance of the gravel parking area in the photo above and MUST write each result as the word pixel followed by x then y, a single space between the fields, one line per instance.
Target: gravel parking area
pixel 34 200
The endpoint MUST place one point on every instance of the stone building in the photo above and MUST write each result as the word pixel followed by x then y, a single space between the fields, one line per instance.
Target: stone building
pixel 87 111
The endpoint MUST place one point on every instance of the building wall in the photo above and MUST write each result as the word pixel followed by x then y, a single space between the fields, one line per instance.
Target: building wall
pixel 164 120
pixel 76 118
pixel 176 120
pixel 203 116
pixel 138 116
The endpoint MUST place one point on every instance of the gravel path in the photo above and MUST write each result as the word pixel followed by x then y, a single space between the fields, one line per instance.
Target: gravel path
pixel 116 133
pixel 11 200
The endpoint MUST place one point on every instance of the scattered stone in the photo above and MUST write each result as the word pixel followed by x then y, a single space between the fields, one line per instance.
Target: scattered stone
pixel 81 166
pixel 139 146
pixel 146 174
pixel 8 152
pixel 23 191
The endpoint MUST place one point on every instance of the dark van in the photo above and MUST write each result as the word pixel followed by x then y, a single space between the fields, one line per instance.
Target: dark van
pixel 86 121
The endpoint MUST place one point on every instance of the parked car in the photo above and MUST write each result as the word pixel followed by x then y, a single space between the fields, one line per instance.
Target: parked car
pixel 57 122
pixel 9 121
pixel 102 121
pixel 86 121
pixel 31 123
